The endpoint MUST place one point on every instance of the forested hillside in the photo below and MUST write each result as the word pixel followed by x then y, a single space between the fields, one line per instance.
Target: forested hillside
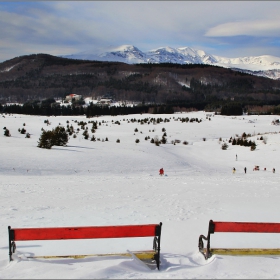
pixel 42 76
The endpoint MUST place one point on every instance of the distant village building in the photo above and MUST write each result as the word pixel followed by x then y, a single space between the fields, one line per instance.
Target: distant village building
pixel 72 96
pixel 105 101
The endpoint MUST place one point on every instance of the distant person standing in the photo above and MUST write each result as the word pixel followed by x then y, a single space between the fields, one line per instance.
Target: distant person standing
pixel 233 170
pixel 273 170
pixel 245 170
pixel 236 157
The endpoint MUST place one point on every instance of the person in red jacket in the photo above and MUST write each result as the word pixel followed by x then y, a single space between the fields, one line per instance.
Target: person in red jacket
pixel 161 172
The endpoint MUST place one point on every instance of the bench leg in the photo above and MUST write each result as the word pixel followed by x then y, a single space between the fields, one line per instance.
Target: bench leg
pixel 156 247
pixel 211 230
pixel 12 244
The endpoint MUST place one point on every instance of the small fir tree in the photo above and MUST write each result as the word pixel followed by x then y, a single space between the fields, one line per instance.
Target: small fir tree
pixel 45 140
pixel 60 136
pixel 253 146
pixel 7 132
pixel 224 146
pixel 57 136
pixel 23 131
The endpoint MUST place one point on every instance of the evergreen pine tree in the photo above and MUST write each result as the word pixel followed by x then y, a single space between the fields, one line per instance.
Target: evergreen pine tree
pixel 45 140
pixel 60 136
pixel 7 132
pixel 224 146
pixel 57 137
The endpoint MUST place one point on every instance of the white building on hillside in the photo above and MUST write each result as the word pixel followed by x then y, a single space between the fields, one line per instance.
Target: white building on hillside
pixel 105 101
pixel 72 96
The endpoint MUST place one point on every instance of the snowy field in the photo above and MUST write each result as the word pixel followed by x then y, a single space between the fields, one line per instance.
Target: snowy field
pixel 89 183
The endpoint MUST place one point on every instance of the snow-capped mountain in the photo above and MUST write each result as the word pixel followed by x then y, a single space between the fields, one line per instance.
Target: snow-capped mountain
pixel 184 55
pixel 131 54
pixel 265 65
pixel 253 63
pixel 125 53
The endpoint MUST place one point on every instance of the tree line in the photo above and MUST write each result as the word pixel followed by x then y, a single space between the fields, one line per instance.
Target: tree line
pixel 90 111
pixel 49 107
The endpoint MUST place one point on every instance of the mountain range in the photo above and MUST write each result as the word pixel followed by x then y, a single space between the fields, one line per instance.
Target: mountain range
pixel 264 65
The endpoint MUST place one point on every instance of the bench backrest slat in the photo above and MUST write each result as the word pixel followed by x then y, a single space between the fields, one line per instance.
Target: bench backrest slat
pixel 242 227
pixel 246 227
pixel 21 234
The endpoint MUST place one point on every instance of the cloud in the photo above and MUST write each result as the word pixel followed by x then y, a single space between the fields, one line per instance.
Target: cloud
pixel 48 30
pixel 265 28
pixel 39 26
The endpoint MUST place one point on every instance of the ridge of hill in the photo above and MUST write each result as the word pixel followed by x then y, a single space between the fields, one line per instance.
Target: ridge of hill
pixel 39 76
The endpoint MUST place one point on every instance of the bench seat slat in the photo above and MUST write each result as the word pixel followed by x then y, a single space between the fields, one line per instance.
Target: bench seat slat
pixel 247 227
pixel 21 234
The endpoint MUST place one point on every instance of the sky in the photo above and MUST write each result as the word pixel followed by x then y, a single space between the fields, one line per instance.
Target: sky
pixel 105 183
pixel 224 28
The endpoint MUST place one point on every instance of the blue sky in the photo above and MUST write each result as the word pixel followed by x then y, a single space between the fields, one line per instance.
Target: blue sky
pixel 224 28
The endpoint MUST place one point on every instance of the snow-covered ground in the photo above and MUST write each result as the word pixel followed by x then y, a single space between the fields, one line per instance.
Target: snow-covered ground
pixel 99 183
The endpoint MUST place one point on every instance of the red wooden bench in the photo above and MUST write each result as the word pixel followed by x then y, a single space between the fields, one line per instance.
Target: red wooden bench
pixel 91 232
pixel 237 227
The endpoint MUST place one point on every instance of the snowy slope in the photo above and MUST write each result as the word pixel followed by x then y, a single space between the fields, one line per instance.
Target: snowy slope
pixel 108 183
pixel 124 53
pixel 264 62
pixel 180 55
